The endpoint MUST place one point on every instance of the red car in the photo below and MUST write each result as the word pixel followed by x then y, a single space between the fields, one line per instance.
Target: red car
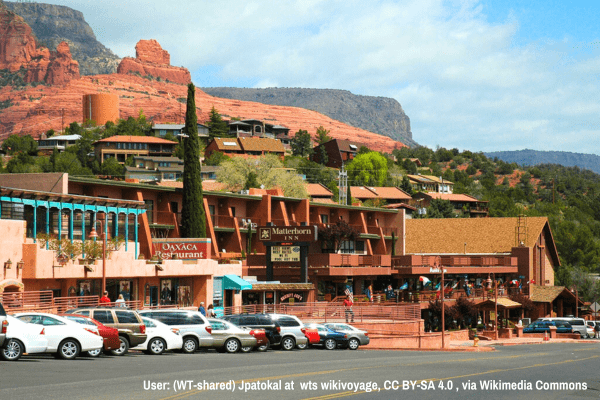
pixel 312 335
pixel 262 341
pixel 110 335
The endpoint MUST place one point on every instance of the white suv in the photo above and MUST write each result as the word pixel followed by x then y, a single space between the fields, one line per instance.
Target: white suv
pixel 191 324
pixel 292 331
pixel 3 325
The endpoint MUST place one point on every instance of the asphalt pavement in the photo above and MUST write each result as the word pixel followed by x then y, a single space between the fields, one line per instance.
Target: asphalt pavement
pixel 550 371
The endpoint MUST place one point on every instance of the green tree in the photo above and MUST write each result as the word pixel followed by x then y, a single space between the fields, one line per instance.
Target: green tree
pixel 440 209
pixel 266 171
pixel 216 126
pixel 301 144
pixel 322 135
pixel 406 186
pixel 111 167
pixel 193 216
pixel 409 166
pixel 17 144
pixel 216 158
pixel 368 169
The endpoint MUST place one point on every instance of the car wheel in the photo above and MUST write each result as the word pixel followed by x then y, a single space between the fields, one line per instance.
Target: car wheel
pixel 264 347
pixel 12 351
pixel 68 349
pixel 157 346
pixel 190 345
pixel 302 346
pixel 246 349
pixel 232 346
pixel 353 344
pixel 123 347
pixel 288 344
pixel 330 344
pixel 94 353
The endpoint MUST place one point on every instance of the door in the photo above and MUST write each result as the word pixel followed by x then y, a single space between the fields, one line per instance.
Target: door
pixel 153 295
pixel 228 298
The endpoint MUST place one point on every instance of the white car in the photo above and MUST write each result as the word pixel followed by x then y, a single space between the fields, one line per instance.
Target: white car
pixel 65 338
pixel 161 338
pixel 22 338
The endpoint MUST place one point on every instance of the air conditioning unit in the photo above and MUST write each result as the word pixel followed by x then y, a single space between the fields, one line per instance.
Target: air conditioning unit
pixel 244 192
pixel 253 225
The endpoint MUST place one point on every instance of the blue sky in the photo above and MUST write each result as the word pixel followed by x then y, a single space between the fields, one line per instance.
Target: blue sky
pixel 477 75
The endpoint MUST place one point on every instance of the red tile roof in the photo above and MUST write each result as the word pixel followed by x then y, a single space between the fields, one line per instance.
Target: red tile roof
pixel 362 192
pixel 452 197
pixel 232 144
pixel 317 189
pixel 390 193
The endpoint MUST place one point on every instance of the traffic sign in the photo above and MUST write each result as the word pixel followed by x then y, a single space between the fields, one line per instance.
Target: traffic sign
pixel 595 307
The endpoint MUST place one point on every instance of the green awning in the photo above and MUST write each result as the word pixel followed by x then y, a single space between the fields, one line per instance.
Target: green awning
pixel 234 282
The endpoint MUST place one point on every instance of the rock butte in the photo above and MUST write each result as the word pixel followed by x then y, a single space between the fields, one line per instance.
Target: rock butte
pixel 34 110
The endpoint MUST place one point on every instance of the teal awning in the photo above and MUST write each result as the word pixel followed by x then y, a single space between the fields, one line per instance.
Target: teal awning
pixel 234 282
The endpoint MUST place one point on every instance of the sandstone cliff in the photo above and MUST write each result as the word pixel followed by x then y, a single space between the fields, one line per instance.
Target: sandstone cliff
pixel 151 60
pixel 376 114
pixel 54 24
pixel 20 51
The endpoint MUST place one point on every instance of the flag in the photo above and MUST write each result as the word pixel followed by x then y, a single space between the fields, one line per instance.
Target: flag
pixel 437 287
pixel 348 293
pixel 514 281
pixel 404 287
pixel 455 285
pixel 424 279
pixel 531 281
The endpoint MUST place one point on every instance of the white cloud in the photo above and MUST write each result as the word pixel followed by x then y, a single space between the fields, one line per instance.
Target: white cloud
pixel 460 78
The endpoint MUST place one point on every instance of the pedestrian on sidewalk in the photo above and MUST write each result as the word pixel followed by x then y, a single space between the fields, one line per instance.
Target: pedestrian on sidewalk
pixel 348 303
pixel 597 330
pixel 105 299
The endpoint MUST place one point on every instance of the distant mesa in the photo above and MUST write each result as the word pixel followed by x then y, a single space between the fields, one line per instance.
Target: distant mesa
pixel 151 60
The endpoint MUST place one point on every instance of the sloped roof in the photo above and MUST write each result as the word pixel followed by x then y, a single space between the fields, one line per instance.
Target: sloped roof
pixel 503 302
pixel 481 235
pixel 547 294
pixel 135 139
pixel 362 192
pixel 344 145
pixel 323 200
pixel 437 179
pixel 227 144
pixel 400 205
pixel 208 185
pixel 390 193
pixel 317 189
pixel 450 197
pixel 261 144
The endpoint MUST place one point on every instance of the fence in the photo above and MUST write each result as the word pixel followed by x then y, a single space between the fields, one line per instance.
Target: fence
pixel 334 311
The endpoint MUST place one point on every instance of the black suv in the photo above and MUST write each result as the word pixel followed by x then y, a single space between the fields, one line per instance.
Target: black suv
pixel 132 330
pixel 258 321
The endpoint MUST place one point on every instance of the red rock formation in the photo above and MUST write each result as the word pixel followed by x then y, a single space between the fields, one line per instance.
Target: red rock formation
pixel 150 51
pixel 17 44
pixel 151 59
pixel 62 68
pixel 18 50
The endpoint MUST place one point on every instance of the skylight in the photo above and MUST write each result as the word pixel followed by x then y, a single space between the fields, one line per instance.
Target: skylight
pixel 229 144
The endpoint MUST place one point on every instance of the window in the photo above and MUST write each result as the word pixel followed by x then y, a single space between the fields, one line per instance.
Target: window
pixel 218 326
pixel 324 218
pixel 126 317
pixel 148 323
pixel 104 316
pixel 287 321
pixel 347 247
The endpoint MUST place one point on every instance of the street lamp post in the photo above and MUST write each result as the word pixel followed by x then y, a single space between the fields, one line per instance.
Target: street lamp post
pixel 438 261
pixel 94 235
pixel 495 303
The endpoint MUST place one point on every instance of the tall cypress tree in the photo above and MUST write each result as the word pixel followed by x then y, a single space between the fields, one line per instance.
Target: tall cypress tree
pixel 193 217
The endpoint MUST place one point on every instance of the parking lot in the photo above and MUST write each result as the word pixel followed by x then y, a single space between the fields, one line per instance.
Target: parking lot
pixel 265 375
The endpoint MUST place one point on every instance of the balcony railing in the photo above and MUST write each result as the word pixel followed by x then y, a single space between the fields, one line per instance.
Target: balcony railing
pixel 454 261
pixel 480 294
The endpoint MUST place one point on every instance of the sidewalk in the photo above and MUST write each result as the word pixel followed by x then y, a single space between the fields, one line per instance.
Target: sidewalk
pixel 490 344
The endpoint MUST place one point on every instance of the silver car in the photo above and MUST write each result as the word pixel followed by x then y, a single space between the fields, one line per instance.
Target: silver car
pixel 3 325
pixel 230 338
pixel 356 337
pixel 191 324
pixel 292 333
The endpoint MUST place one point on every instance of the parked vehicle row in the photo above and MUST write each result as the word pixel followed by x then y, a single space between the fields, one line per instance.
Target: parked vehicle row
pixel 94 330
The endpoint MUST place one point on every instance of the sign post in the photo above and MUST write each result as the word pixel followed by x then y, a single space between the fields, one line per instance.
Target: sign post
pixel 287 244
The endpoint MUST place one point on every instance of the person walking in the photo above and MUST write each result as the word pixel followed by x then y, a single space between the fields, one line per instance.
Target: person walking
pixel 104 299
pixel 121 302
pixel 597 329
pixel 348 303
pixel 202 309
pixel 210 311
